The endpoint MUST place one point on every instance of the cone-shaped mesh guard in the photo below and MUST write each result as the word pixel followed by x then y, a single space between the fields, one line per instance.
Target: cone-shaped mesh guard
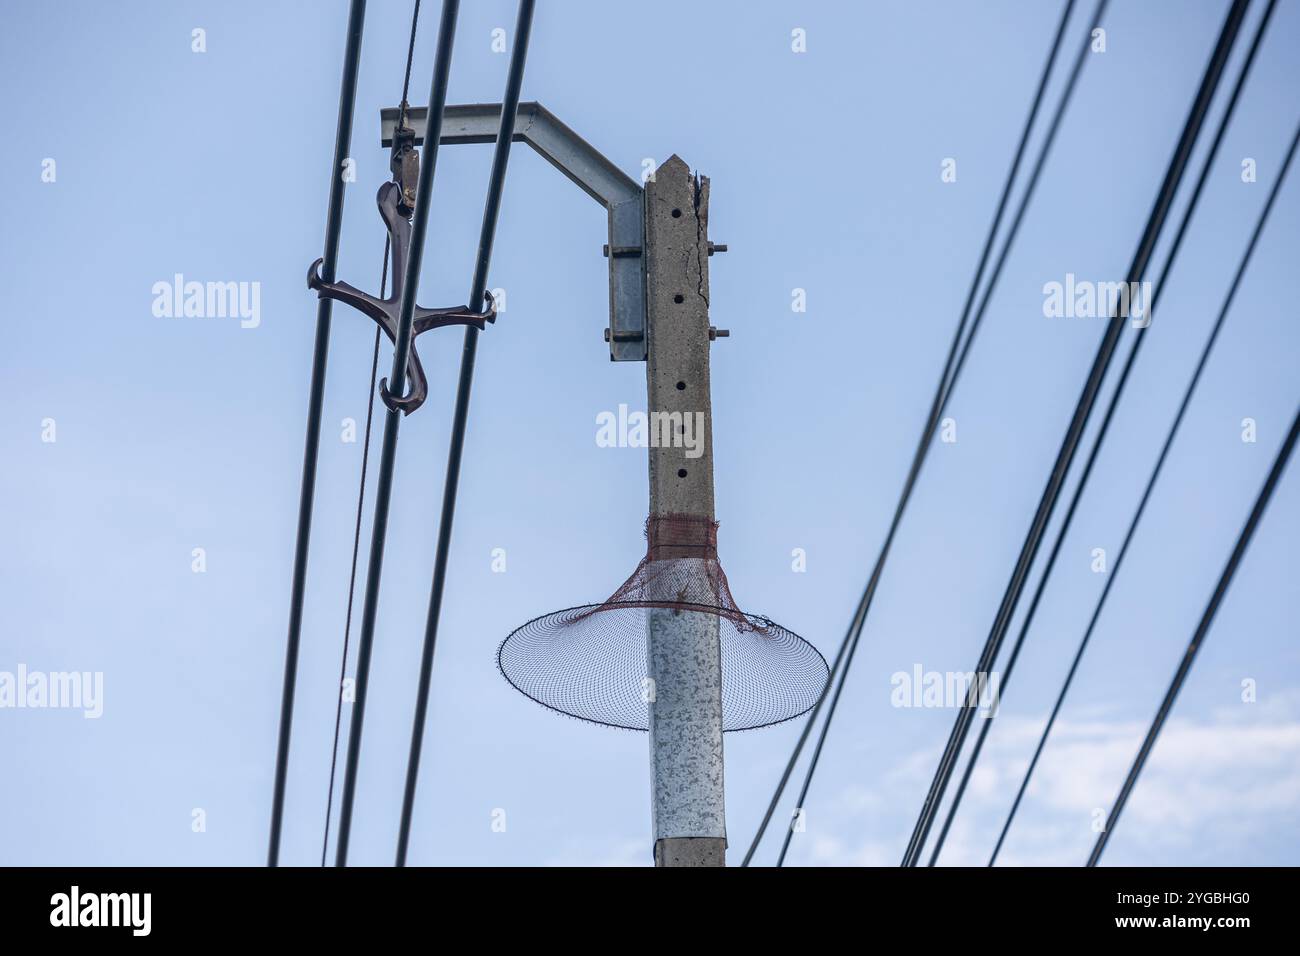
pixel 590 661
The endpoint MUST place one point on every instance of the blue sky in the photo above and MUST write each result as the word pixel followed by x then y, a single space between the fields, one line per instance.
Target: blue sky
pixel 183 433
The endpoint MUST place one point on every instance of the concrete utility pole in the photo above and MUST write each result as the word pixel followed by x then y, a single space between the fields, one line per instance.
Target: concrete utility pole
pixel 682 649
pixel 658 253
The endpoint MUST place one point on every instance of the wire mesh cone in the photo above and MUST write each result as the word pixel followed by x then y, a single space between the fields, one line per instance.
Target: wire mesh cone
pixel 589 661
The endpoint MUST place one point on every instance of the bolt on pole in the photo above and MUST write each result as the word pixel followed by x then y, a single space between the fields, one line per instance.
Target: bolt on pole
pixel 682 649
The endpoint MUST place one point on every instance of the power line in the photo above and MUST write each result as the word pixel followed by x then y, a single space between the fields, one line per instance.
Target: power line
pixel 388 452
pixel 315 405
pixel 947 380
pixel 478 286
pixel 987 724
pixel 365 460
pixel 1194 645
pixel 1083 410
pixel 1146 494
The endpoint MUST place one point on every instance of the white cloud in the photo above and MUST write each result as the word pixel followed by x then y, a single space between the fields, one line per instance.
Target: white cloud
pixel 1217 783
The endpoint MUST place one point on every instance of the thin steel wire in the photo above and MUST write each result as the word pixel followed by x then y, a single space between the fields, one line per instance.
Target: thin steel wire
pixel 352 577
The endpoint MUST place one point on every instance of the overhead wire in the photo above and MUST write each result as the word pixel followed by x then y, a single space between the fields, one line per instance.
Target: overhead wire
pixel 315 406
pixel 392 421
pixel 1146 496
pixel 957 353
pixel 1117 393
pixel 849 644
pixel 360 493
pixel 365 460
pixel 352 580
pixel 1074 432
pixel 478 287
pixel 1198 637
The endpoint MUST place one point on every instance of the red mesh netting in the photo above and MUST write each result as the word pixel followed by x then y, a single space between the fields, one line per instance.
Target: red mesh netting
pixel 590 661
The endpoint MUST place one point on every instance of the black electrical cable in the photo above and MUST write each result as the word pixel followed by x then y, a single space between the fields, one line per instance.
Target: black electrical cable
pixel 947 380
pixel 1083 410
pixel 388 452
pixel 315 405
pixel 478 286
pixel 987 724
pixel 365 460
pixel 1194 645
pixel 1146 495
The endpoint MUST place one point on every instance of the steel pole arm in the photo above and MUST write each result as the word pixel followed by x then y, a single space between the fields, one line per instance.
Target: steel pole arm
pixel 584 165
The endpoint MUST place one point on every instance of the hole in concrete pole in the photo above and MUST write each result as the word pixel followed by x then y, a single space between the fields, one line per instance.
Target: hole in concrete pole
pixel 681 472
pixel 679 298
pixel 677 214
pixel 681 386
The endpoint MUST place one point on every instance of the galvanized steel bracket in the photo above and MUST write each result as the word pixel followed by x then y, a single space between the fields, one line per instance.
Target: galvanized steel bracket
pixel 599 178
